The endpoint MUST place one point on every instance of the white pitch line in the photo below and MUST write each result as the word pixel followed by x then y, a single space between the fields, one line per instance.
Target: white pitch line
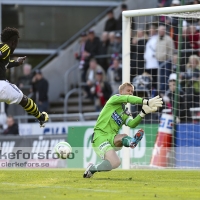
pixel 58 186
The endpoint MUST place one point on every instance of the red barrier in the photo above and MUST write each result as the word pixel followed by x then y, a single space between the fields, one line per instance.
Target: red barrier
pixel 162 147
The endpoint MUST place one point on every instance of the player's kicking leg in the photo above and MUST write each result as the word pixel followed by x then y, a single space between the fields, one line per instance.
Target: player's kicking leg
pixel 31 108
pixel 11 94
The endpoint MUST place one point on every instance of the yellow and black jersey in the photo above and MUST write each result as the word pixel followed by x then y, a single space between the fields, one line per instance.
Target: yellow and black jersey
pixel 5 61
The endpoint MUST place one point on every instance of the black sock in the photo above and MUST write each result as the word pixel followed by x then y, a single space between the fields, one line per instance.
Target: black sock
pixel 31 108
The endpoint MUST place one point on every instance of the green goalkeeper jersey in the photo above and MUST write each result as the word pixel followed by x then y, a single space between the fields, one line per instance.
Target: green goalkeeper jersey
pixel 115 114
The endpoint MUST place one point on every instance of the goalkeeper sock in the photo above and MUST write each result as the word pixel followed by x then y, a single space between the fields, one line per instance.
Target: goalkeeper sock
pixel 32 109
pixel 126 141
pixel 103 166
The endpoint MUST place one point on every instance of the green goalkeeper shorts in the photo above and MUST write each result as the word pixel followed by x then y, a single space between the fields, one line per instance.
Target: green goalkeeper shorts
pixel 104 143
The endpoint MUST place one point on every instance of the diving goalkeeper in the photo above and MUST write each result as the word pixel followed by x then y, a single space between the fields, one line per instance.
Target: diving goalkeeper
pixel 106 140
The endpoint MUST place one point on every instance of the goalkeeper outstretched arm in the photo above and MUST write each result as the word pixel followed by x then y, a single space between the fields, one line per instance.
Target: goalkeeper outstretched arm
pixel 126 96
pixel 154 102
pixel 133 122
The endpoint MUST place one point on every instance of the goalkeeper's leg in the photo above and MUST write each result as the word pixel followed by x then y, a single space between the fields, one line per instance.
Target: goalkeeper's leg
pixel 105 148
pixel 110 161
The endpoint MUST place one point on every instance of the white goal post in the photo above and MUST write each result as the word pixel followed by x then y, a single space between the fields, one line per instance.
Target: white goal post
pixel 126 35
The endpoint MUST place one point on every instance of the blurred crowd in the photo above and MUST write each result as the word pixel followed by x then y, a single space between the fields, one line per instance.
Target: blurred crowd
pixel 154 58
pixel 100 60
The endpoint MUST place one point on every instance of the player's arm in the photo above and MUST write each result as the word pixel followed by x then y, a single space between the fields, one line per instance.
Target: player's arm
pixel 118 99
pixel 133 122
pixel 5 53
pixel 154 102
pixel 13 63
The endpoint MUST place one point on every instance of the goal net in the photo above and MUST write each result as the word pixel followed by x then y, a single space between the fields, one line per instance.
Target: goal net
pixel 161 57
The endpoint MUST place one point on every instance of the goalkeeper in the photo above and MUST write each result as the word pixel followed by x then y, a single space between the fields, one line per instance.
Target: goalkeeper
pixel 106 140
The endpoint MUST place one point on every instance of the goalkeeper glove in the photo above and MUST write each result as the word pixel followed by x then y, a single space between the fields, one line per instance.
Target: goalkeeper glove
pixel 154 102
pixel 146 110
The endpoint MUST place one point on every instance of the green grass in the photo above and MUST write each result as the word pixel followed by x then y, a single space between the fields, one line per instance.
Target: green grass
pixel 114 185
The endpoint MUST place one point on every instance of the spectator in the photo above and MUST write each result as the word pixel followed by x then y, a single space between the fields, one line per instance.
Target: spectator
pixel 111 23
pixel 142 82
pixel 114 75
pixel 185 46
pixel 194 38
pixel 79 55
pixel 40 89
pixel 103 50
pixel 164 52
pixel 101 91
pixel 173 22
pixel 116 46
pixel 24 82
pixel 194 21
pixel 137 53
pixel 190 81
pixel 163 3
pixel 90 76
pixel 174 63
pixel 12 128
pixel 119 20
pixel 91 50
pixel 111 38
pixel 152 65
pixel 182 110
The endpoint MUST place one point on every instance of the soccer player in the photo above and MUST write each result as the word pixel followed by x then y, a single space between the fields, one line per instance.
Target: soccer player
pixel 106 140
pixel 10 93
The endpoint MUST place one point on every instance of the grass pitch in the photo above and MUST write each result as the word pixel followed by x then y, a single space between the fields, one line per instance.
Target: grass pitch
pixel 115 185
